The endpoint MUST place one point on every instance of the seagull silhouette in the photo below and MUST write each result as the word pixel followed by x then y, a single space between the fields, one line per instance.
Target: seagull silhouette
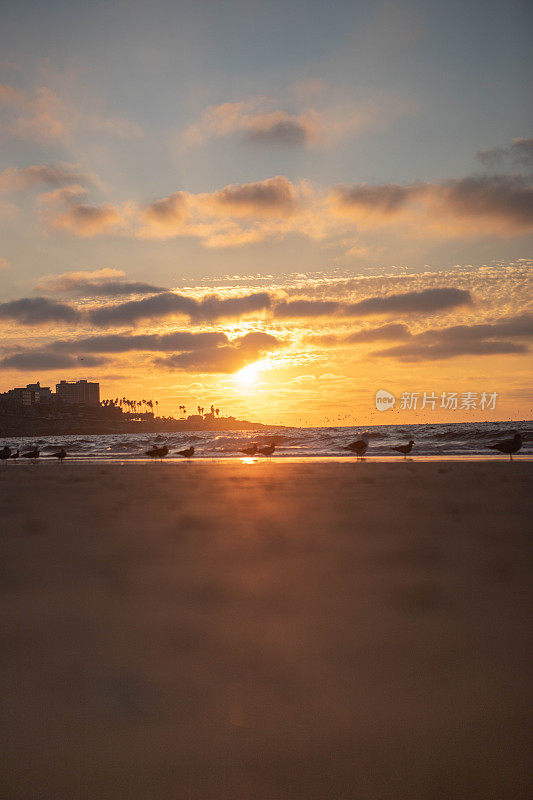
pixel 250 451
pixel 157 452
pixel 359 447
pixel 5 453
pixel 508 446
pixel 16 454
pixel 267 450
pixel 60 455
pixel 188 453
pixel 404 449
pixel 33 454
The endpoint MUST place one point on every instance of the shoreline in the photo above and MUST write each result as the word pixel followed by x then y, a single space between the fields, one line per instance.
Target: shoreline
pixel 254 460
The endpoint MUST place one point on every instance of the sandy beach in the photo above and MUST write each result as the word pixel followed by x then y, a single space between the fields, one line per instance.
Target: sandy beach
pixel 271 631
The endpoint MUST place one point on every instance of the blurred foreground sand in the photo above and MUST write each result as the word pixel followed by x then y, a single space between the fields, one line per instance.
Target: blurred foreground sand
pixel 270 631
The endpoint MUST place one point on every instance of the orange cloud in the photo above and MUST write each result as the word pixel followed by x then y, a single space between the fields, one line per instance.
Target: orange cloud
pixel 85 220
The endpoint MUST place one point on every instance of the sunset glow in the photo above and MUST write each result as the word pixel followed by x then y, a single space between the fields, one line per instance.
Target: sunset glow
pixel 258 231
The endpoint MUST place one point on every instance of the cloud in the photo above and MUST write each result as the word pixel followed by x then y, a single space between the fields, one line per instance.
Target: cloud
pixel 481 339
pixel 98 283
pixel 42 115
pixel 14 179
pixel 227 358
pixel 169 304
pixel 168 214
pixel 519 152
pixel 479 204
pixel 36 310
pixel 390 332
pixel 280 128
pixel 426 301
pixel 85 220
pixel 272 197
pixel 4 263
pixel 256 124
pixel 44 359
pixel 150 342
pixel 443 350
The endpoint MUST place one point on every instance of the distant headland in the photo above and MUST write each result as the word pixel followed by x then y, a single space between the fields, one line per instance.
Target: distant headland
pixel 75 408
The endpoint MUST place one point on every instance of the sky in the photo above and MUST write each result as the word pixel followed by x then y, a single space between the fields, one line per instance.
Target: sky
pixel 279 208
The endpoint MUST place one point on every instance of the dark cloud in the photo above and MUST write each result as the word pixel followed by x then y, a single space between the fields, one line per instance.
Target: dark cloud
pixel 228 358
pixel 480 199
pixel 50 175
pixel 271 197
pixel 286 309
pixel 505 197
pixel 167 342
pixel 385 198
pixel 87 288
pixel 426 301
pixel 482 339
pixel 444 350
pixel 289 131
pixel 44 359
pixel 520 152
pixel 168 304
pixel 36 310
pixel 385 332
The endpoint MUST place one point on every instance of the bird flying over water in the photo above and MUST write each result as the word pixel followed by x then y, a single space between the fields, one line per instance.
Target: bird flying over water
pixel 404 449
pixel 267 450
pixel 508 446
pixel 250 451
pixel 188 453
pixel 60 455
pixel 157 452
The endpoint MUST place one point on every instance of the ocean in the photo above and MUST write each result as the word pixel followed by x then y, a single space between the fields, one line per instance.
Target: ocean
pixel 451 439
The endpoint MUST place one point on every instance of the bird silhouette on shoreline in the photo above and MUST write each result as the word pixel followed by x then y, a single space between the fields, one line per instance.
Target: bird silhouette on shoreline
pixel 16 454
pixel 33 454
pixel 188 453
pixel 250 451
pixel 5 453
pixel 508 446
pixel 267 450
pixel 359 446
pixel 157 452
pixel 404 449
pixel 60 455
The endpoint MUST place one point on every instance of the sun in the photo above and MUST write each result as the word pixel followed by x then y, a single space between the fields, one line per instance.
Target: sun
pixel 247 376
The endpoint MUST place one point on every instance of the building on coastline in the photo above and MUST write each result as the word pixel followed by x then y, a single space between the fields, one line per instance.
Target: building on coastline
pixel 74 392
pixel 31 395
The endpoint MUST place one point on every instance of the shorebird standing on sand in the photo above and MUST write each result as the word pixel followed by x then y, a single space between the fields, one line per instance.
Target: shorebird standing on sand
pixel 250 451
pixel 359 447
pixel 508 446
pixel 267 450
pixel 33 454
pixel 404 449
pixel 5 453
pixel 188 453
pixel 16 454
pixel 157 452
pixel 60 455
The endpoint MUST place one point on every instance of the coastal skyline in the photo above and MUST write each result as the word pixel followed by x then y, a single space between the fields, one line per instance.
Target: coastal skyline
pixel 281 208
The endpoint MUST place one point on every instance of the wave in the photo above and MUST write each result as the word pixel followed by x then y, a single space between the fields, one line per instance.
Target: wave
pixel 458 439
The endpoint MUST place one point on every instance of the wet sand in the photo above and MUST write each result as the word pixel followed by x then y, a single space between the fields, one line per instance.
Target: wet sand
pixel 271 631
